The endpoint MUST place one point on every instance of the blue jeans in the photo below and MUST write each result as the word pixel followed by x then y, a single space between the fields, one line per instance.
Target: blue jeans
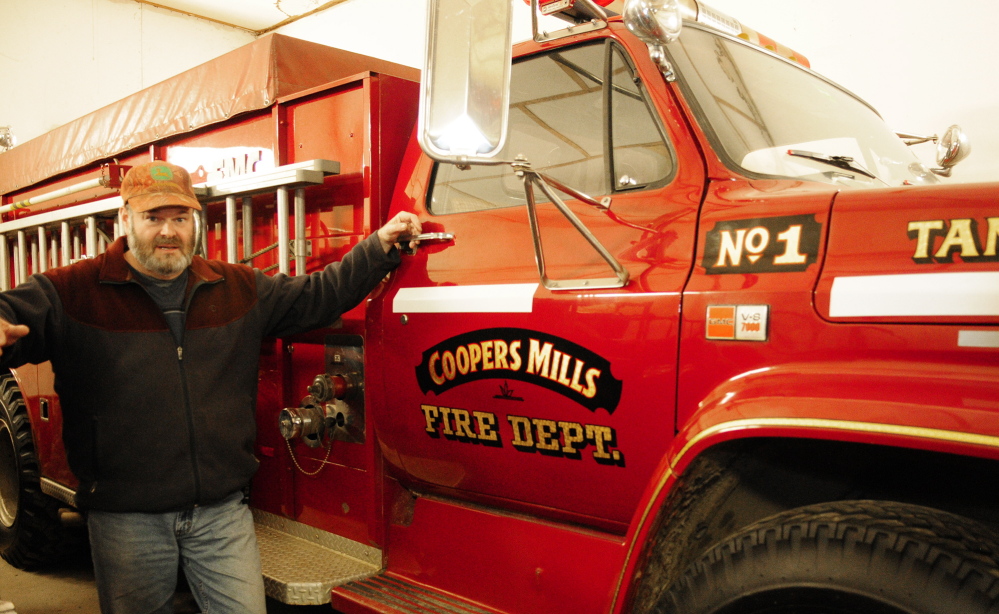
pixel 136 557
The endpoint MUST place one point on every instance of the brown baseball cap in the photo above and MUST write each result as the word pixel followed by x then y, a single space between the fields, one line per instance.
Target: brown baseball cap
pixel 158 184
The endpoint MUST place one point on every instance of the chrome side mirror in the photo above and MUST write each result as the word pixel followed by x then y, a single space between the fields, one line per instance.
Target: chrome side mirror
pixel 952 147
pixel 465 87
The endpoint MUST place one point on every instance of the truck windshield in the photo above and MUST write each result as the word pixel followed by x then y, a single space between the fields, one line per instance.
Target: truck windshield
pixel 770 117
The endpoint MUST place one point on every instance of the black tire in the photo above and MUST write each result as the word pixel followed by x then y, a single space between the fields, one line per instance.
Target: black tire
pixel 31 535
pixel 857 557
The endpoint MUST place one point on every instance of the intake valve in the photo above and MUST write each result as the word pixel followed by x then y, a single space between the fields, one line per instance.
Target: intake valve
pixel 319 413
pixel 307 422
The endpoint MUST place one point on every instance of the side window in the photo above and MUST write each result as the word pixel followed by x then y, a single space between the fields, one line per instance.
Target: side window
pixel 640 156
pixel 578 115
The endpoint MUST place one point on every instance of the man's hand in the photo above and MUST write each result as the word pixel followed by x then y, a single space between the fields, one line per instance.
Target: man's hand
pixel 404 223
pixel 10 333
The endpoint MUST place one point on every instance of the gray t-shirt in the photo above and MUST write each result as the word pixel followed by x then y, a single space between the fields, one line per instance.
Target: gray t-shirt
pixel 169 295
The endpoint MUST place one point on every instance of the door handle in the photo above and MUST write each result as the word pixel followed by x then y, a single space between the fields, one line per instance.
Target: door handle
pixel 424 237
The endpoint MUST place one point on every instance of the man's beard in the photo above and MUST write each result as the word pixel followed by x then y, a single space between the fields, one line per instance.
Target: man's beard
pixel 165 264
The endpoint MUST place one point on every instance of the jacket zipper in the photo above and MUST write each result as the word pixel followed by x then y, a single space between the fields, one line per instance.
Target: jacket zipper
pixel 190 425
pixel 187 399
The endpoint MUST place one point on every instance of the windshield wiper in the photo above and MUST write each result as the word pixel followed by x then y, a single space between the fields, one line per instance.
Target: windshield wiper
pixel 844 162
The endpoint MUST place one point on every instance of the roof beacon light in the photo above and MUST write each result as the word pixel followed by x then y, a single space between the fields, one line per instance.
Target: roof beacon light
pixel 655 22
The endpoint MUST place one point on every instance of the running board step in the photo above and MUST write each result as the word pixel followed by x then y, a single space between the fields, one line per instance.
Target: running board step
pixel 301 564
pixel 390 594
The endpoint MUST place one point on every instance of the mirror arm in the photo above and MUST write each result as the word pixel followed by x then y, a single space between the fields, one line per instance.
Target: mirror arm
pixel 531 178
pixel 915 139
pixel 604 204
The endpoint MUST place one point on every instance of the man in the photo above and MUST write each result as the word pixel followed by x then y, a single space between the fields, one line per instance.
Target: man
pixel 155 356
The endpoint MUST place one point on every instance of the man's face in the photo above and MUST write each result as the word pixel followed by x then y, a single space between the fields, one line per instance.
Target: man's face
pixel 161 240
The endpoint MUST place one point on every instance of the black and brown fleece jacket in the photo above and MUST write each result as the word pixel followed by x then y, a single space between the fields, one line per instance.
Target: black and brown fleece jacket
pixel 150 426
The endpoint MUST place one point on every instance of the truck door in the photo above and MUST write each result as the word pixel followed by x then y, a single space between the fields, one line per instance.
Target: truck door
pixel 500 390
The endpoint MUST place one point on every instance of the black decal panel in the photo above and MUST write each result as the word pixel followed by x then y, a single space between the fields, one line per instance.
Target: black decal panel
pixel 525 355
pixel 762 245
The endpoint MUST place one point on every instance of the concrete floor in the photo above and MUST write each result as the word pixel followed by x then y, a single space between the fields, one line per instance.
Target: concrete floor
pixel 70 588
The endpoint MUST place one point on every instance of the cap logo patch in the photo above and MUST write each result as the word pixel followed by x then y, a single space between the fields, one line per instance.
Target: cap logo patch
pixel 161 173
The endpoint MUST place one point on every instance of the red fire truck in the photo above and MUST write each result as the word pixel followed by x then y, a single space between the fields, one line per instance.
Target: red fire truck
pixel 702 335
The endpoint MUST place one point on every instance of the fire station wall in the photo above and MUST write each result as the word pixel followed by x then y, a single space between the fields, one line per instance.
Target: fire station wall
pixel 62 59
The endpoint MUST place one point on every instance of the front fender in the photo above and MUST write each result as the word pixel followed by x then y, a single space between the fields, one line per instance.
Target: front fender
pixel 941 407
pixel 938 407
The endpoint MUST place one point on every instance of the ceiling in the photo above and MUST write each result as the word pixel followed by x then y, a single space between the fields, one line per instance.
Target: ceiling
pixel 257 16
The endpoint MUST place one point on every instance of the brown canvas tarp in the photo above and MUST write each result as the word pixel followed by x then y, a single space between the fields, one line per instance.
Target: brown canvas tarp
pixel 249 78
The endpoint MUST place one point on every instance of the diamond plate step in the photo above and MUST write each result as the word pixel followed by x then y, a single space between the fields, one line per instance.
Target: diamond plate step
pixel 389 594
pixel 301 564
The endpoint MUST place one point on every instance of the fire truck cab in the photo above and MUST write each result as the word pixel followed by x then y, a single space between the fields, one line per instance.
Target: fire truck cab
pixel 689 330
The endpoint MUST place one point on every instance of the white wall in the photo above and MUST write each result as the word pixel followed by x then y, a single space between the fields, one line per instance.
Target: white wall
pixel 61 59
pixel 389 29
pixel 923 64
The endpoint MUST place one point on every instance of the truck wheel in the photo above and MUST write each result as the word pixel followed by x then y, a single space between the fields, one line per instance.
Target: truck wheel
pixel 857 557
pixel 30 532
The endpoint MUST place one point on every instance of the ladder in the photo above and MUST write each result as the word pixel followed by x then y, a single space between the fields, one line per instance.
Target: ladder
pixel 36 243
